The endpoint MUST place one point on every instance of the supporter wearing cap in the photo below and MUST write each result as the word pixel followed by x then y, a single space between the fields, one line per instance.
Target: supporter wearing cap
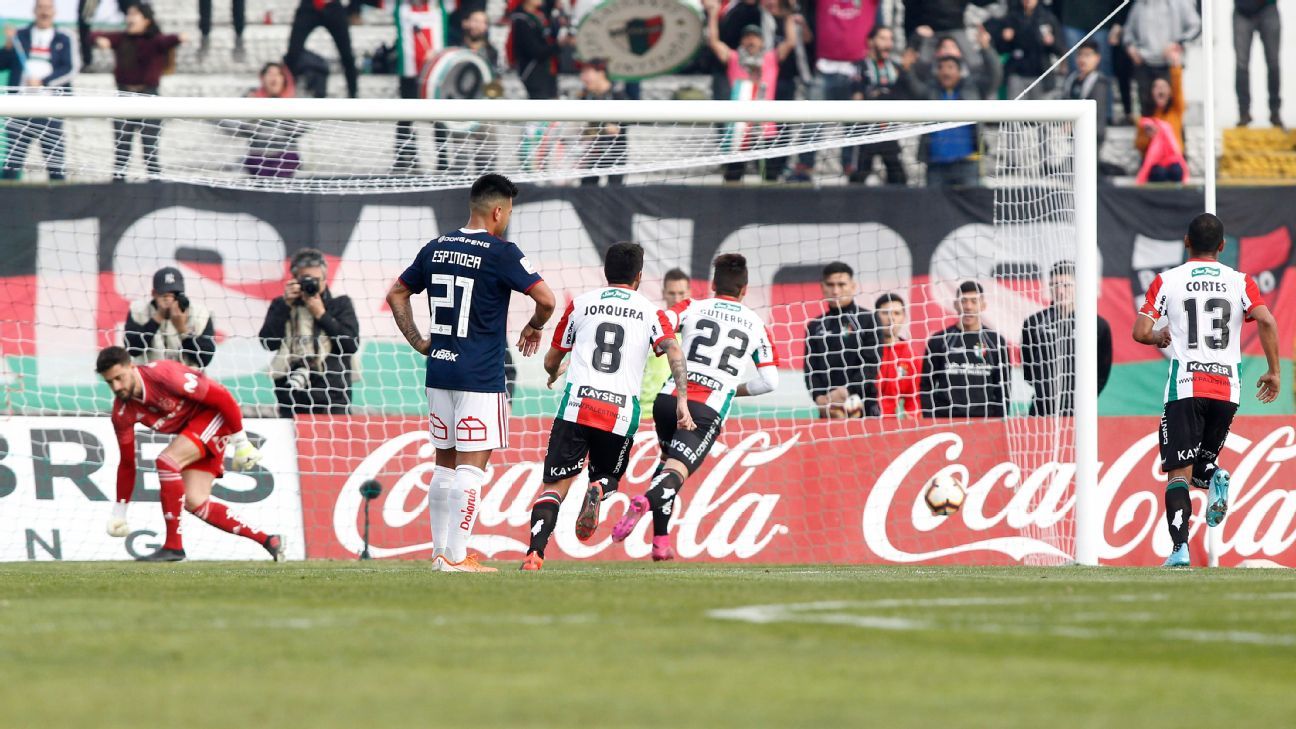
pixel 167 325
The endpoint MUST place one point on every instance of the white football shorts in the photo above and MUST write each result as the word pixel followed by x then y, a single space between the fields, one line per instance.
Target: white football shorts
pixel 468 421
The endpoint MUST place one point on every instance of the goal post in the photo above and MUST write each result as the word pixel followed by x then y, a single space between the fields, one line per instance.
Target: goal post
pixel 676 136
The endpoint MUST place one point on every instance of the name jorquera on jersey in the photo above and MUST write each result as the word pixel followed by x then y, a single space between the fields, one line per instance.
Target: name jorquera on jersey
pixel 619 312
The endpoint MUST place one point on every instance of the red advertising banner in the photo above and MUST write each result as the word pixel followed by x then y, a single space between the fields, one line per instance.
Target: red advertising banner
pixel 801 492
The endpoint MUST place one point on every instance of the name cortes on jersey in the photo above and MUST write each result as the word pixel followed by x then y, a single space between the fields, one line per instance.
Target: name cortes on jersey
pixel 1205 303
pixel 610 333
pixel 719 335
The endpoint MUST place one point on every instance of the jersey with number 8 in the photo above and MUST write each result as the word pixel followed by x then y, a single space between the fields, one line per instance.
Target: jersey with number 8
pixel 719 336
pixel 610 333
pixel 1206 302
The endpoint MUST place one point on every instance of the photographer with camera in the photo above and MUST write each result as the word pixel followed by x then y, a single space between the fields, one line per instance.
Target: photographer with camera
pixel 314 335
pixel 167 325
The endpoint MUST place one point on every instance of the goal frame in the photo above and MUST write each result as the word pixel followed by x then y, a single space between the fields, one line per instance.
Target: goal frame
pixel 1082 114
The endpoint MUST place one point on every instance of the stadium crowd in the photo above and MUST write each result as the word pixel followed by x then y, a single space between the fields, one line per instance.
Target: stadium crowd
pixel 776 49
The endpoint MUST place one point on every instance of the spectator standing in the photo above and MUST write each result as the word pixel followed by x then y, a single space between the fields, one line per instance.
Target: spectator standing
pixel 1048 347
pixel 238 17
pixel 417 23
pixel 928 18
pixel 1163 117
pixel 1078 17
pixel 1088 82
pixel 1030 36
pixel 314 336
pixel 965 370
pixel 751 64
pixel 794 72
pixel 39 56
pixel 534 48
pixel 336 19
pixel 675 288
pixel 841 30
pixel 475 37
pixel 900 368
pixel 952 155
pixel 1249 18
pixel 272 143
pixel 167 325
pixel 140 56
pixel 1155 31
pixel 931 48
pixel 606 142
pixel 882 79
pixel 842 350
pixel 1122 69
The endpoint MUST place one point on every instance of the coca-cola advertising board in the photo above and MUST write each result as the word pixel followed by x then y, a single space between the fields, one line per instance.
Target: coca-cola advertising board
pixel 804 491
pixel 58 479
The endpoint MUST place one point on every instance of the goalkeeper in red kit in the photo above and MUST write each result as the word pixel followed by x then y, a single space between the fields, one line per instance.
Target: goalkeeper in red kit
pixel 170 398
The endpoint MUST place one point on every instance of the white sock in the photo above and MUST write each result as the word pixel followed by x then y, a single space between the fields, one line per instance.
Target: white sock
pixel 465 495
pixel 439 508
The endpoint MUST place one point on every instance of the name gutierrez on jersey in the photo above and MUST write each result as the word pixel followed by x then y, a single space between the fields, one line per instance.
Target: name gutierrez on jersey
pixel 612 310
pixel 723 315
pixel 458 258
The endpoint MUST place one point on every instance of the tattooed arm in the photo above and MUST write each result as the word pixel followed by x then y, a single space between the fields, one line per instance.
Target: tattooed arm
pixel 398 298
pixel 675 355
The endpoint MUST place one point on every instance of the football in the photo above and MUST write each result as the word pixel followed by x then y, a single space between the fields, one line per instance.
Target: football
pixel 944 494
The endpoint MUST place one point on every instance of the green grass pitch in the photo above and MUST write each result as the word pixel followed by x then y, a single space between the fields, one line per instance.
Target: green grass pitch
pixel 390 645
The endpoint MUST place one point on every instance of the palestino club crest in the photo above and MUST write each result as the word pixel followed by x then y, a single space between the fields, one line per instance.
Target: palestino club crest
pixel 640 38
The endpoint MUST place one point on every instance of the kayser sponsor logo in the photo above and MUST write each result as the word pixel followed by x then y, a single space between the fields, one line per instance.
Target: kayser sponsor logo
pixel 1211 368
pixel 794 491
pixel 586 392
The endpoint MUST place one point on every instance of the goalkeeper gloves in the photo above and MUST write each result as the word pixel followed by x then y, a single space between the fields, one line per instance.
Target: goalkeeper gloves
pixel 117 526
pixel 246 455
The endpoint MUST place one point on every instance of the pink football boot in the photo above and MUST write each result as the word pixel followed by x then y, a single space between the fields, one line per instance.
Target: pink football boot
pixel 638 507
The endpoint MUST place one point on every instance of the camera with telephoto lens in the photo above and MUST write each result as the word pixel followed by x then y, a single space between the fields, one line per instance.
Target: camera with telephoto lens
pixel 310 285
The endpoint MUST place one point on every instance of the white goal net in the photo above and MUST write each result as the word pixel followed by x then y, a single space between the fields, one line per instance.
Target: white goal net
pixel 829 467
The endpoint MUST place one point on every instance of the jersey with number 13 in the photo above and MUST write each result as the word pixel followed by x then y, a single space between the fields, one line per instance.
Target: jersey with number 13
pixel 610 333
pixel 1206 302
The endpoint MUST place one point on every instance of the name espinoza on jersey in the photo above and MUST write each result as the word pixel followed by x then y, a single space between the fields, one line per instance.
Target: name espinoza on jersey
pixel 609 333
pixel 719 335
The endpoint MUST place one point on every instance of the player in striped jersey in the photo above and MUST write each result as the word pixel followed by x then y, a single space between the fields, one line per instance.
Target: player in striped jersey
pixel 609 332
pixel 719 335
pixel 1206 303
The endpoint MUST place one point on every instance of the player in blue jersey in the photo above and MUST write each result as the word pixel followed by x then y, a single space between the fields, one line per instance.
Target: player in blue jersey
pixel 469 275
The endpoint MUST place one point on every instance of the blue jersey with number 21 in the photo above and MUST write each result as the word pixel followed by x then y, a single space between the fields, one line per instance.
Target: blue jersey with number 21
pixel 469 276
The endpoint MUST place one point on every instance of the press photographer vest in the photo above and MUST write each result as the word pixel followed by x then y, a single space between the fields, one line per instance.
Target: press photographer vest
pixel 166 343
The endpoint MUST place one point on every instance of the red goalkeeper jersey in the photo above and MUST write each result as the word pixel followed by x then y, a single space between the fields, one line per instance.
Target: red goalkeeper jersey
pixel 173 399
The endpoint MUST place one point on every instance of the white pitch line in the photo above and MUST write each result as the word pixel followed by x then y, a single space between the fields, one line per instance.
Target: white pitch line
pixel 828 612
